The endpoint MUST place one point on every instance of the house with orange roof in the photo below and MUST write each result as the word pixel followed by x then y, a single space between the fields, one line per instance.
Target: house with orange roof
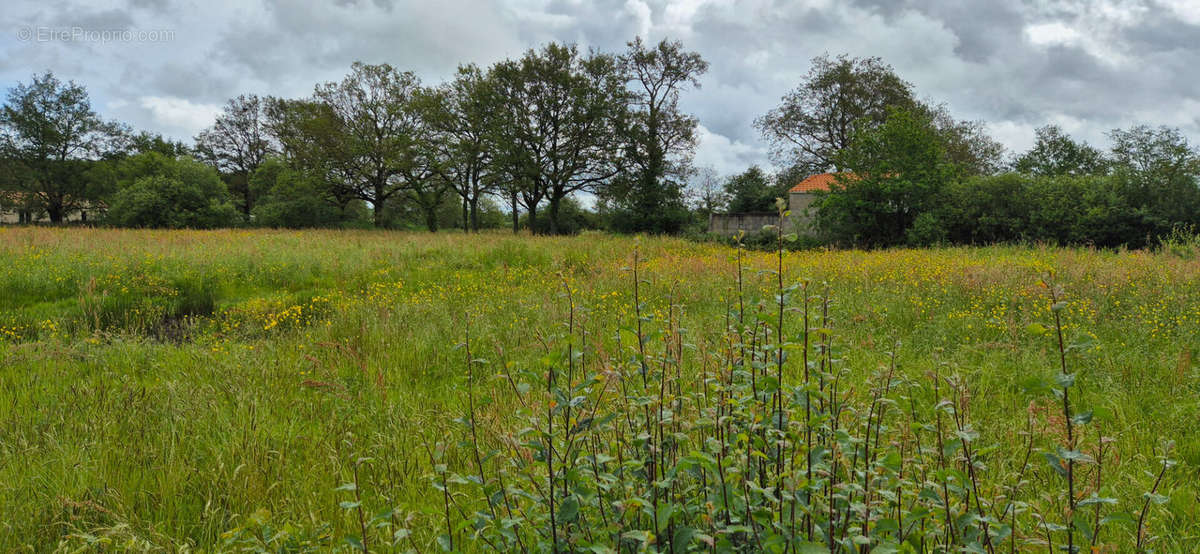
pixel 800 199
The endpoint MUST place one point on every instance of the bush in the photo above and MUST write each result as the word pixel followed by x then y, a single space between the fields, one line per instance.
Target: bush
pixel 291 199
pixel 170 193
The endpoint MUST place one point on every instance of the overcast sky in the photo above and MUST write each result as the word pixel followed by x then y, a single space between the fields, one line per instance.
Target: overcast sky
pixel 1089 66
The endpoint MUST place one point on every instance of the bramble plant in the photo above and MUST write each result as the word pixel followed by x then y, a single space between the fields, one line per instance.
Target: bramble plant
pixel 667 445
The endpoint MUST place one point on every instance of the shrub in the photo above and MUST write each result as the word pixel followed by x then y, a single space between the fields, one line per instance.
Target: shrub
pixel 291 199
pixel 161 192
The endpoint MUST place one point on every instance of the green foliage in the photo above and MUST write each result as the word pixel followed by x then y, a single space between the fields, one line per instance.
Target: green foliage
pixel 897 171
pixel 1055 153
pixel 49 135
pixel 754 191
pixel 816 120
pixel 1063 209
pixel 573 219
pixel 292 199
pixel 555 127
pixel 659 138
pixel 160 192
pixel 237 143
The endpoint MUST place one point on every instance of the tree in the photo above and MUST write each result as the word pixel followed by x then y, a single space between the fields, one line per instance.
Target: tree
pixel 1158 171
pixel 143 142
pixel 896 171
pixel 753 191
pixel 1056 153
pixel 967 143
pixel 49 135
pixel 462 112
pixel 161 192
pixel 660 139
pixel 237 143
pixel 366 126
pixel 291 198
pixel 310 139
pixel 707 192
pixel 555 132
pixel 818 118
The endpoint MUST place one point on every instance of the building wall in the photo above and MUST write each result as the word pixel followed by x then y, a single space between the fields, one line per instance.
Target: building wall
pixel 799 203
pixel 730 224
pixel 799 222
pixel 12 216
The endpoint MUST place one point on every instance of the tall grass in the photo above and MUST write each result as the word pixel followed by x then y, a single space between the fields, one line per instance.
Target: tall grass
pixel 758 400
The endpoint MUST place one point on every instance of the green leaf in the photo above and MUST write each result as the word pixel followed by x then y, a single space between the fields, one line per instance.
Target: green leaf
pixel 1075 456
pixel 1093 499
pixel 811 548
pixel 569 509
pixel 683 537
pixel 348 505
pixel 1055 463
pixel 1036 329
pixel 665 511
pixel 1155 498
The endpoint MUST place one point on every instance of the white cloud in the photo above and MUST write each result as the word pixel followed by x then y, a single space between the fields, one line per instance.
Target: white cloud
pixel 180 113
pixel 641 12
pixel 1052 34
pixel 727 156
pixel 1187 10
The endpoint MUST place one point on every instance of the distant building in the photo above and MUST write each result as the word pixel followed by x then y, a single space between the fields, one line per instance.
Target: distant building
pixel 17 208
pixel 800 198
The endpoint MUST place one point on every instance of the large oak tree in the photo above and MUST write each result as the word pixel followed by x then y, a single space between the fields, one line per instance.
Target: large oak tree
pixel 555 133
pixel 818 118
pixel 49 137
pixel 237 144
pixel 659 138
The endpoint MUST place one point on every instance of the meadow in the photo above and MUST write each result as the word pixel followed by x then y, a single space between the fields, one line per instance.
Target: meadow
pixel 319 390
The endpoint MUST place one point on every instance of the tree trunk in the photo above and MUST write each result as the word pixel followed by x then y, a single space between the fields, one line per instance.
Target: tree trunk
pixel 515 215
pixel 533 220
pixel 431 219
pixel 377 203
pixel 55 211
pixel 465 219
pixel 554 215
pixel 475 214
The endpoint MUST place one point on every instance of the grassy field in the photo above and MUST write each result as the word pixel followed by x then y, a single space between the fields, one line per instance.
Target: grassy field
pixel 204 390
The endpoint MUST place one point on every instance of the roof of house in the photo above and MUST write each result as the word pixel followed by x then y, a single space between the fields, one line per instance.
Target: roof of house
pixel 820 181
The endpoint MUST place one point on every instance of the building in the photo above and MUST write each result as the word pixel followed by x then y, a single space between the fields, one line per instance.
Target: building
pixel 16 208
pixel 800 199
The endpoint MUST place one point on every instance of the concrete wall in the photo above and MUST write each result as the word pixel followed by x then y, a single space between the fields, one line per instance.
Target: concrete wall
pixel 730 224
pixel 799 222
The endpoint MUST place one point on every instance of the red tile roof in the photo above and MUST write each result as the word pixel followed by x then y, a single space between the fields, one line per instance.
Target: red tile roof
pixel 820 181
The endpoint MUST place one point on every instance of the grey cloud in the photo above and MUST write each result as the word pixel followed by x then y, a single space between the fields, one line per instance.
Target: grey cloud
pixel 1120 62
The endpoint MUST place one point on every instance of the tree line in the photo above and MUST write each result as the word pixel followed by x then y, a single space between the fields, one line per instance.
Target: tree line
pixel 908 173
pixel 517 144
pixel 380 148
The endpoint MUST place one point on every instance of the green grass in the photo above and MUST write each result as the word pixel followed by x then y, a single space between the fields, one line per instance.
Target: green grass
pixel 159 389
